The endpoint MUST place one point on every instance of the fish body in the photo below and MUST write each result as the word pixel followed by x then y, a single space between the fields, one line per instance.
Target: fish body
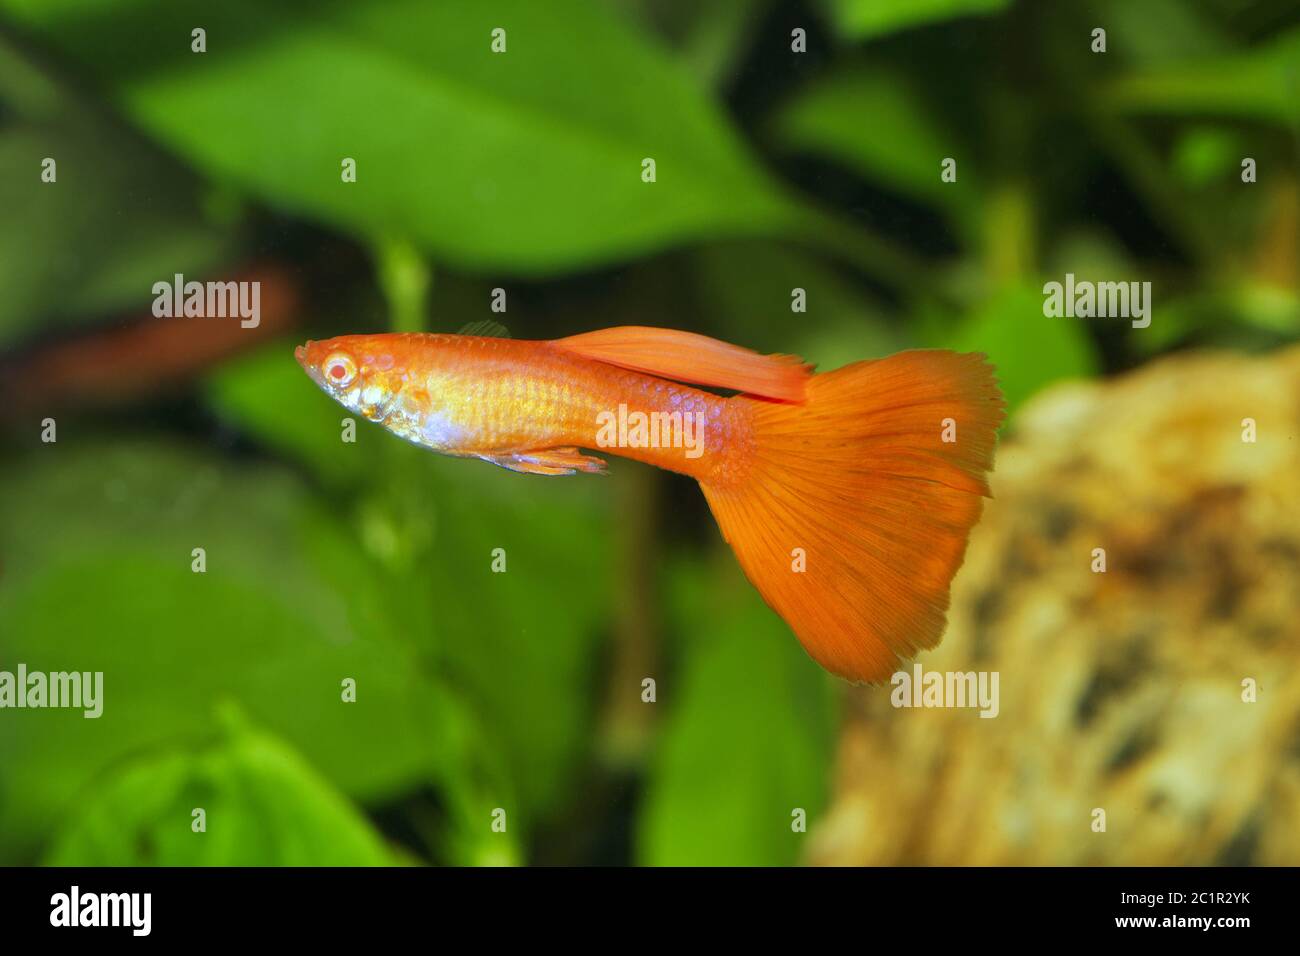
pixel 507 401
pixel 847 496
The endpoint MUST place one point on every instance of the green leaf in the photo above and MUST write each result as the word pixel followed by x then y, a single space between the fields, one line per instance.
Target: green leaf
pixel 746 290
pixel 528 160
pixel 263 806
pixel 1204 154
pixel 1029 349
pixel 118 217
pixel 709 37
pixel 1158 31
pixel 750 734
pixel 865 19
pixel 1237 313
pixel 522 644
pixel 267 394
pixel 97 540
pixel 872 121
pixel 1262 84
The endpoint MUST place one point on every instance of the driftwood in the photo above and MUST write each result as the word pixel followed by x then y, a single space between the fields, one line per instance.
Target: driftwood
pixel 1125 691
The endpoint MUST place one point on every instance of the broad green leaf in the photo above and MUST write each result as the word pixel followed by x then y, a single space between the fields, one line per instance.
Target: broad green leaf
pixel 1157 31
pixel 267 394
pixel 709 37
pixel 1205 154
pixel 528 160
pixel 748 292
pixel 872 121
pixel 262 806
pixel 1262 84
pixel 749 736
pixel 97 543
pixel 117 218
pixel 865 19
pixel 1239 314
pixel 522 644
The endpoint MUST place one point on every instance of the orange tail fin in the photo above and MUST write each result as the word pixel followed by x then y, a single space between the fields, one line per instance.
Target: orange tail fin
pixel 860 477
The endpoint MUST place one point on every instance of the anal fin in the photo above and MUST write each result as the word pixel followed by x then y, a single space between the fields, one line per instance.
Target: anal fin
pixel 549 461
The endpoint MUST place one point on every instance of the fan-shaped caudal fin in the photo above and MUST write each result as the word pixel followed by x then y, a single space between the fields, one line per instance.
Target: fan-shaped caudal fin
pixel 687 357
pixel 855 511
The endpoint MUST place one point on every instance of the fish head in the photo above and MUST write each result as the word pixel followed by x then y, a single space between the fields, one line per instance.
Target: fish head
pixel 360 372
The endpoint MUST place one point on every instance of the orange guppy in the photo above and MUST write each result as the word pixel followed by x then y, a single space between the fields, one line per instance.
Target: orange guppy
pixel 847 496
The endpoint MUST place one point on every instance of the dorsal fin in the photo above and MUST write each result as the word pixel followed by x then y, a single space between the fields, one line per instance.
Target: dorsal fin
pixel 687 357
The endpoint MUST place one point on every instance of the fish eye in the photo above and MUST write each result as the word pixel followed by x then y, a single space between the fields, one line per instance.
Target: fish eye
pixel 339 369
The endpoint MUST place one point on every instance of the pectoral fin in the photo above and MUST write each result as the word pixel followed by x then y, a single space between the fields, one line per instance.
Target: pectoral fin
pixel 549 461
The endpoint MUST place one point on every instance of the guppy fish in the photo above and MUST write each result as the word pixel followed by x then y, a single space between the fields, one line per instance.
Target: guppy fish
pixel 847 496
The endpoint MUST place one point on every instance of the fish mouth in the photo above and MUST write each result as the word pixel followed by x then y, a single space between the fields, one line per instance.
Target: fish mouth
pixel 300 353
